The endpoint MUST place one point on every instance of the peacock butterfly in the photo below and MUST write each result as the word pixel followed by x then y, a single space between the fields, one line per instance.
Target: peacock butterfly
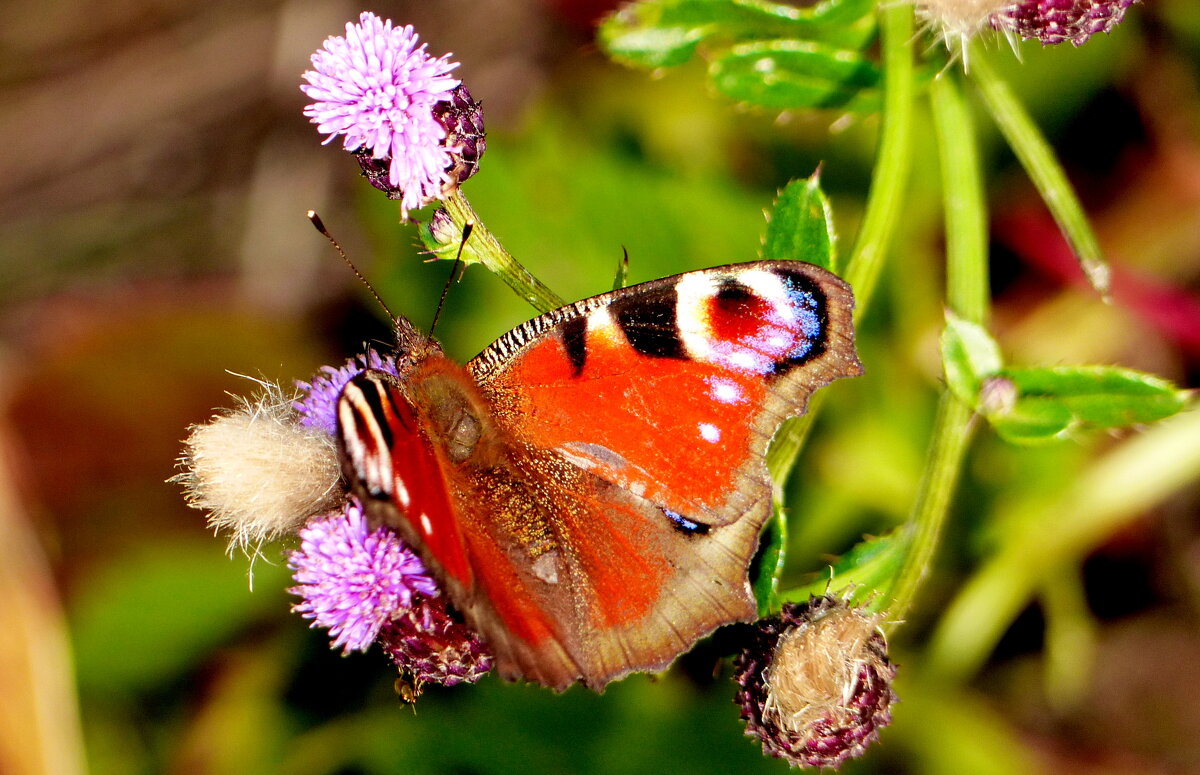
pixel 589 490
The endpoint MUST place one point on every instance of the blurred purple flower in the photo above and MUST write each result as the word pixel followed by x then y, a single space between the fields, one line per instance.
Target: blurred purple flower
pixel 379 89
pixel 318 405
pixel 353 580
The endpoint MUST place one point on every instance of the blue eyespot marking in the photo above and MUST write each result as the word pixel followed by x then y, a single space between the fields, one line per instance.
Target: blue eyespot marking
pixel 685 525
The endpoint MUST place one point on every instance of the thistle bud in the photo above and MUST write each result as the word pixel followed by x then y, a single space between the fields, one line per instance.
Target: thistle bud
pixel 430 645
pixel 1050 21
pixel 1057 21
pixel 816 684
pixel 462 118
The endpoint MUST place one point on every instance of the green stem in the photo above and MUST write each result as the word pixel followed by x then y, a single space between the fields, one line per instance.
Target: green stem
pixel 1116 490
pixel 483 247
pixel 1043 168
pixel 963 200
pixel 894 158
pixel 951 432
pixel 967 297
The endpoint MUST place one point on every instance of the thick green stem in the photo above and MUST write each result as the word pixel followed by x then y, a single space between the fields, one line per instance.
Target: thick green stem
pixel 1040 163
pixel 483 247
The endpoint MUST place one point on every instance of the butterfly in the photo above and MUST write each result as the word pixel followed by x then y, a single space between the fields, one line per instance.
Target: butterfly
pixel 589 490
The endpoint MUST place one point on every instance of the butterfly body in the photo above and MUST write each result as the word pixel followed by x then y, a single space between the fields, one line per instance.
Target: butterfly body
pixel 590 489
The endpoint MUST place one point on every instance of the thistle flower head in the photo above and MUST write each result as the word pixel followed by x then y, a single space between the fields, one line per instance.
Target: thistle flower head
pixel 429 644
pixel 379 89
pixel 1057 21
pixel 317 404
pixel 1049 21
pixel 815 683
pixel 353 580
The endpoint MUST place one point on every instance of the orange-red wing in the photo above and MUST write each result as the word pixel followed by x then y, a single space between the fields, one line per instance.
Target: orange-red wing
pixel 673 389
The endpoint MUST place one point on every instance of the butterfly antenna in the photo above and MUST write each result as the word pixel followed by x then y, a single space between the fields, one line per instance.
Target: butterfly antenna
pixel 458 262
pixel 320 226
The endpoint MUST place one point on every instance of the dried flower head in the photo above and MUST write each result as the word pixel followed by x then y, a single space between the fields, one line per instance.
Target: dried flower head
pixel 816 684
pixel 430 644
pixel 258 471
pixel 379 89
pixel 353 580
pixel 317 403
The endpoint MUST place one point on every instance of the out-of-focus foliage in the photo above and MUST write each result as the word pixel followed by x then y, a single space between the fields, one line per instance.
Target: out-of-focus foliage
pixel 157 172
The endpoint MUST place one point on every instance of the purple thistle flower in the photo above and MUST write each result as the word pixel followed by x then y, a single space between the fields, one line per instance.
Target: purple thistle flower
pixel 353 580
pixel 318 406
pixel 380 90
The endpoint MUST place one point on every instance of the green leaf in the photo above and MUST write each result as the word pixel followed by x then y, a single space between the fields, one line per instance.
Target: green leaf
pixel 866 574
pixel 768 562
pixel 664 33
pixel 969 356
pixel 1029 405
pixel 792 74
pixel 800 227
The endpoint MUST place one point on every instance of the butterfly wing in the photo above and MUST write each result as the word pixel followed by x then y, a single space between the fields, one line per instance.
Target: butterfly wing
pixel 592 495
pixel 668 394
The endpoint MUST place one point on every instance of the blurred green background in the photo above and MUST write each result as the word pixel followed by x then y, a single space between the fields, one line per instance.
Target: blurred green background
pixel 155 171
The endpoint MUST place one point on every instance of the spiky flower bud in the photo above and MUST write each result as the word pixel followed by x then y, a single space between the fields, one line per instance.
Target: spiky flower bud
pixel 430 645
pixel 1049 21
pixel 816 684
pixel 462 118
pixel 1057 21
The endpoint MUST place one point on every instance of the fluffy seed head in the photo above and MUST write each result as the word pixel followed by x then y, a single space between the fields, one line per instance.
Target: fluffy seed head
pixel 257 471
pixel 816 684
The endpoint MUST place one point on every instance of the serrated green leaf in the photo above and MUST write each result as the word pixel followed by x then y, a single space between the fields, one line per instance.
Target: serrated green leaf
pixel 664 33
pixel 1040 404
pixel 793 74
pixel 969 356
pixel 866 574
pixel 800 227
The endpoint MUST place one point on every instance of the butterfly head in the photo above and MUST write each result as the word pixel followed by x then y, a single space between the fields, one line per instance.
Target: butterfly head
pixel 412 345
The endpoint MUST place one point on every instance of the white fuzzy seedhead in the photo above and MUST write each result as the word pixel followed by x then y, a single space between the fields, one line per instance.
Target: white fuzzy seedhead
pixel 956 22
pixel 258 472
